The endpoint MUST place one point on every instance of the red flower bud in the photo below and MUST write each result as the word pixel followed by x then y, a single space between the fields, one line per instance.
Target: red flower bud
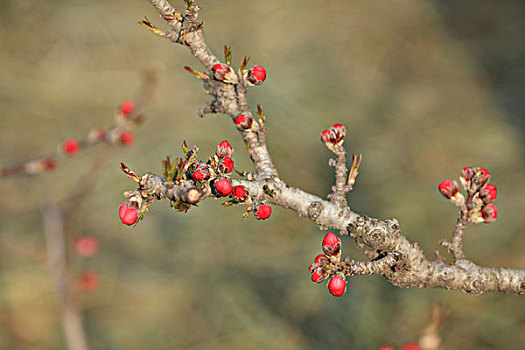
pixel 448 188
pixel 256 75
pixel 488 193
pixel 224 149
pixel 71 146
pixel 318 275
pixel 243 121
pixel 331 244
pixel 339 132
pixel 466 175
pixel 223 187
pixel 239 193
pixel 86 246
pixel 89 281
pixel 222 72
pixel 489 213
pixel 263 212
pixel 226 165
pixel 127 107
pixel 202 173
pixel 410 346
pixel 483 175
pixel 126 138
pixel 323 259
pixel 337 286
pixel 129 213
pixel 328 136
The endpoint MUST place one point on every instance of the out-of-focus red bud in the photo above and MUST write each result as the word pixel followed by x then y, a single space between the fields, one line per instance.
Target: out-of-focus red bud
pixel 410 346
pixel 489 213
pixel 127 107
pixel 128 213
pixel 86 246
pixel 126 138
pixel 385 347
pixel 337 286
pixel 71 146
pixel 224 149
pixel 89 281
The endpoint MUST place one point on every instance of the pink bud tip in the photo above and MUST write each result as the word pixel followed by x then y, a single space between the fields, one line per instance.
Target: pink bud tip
pixel 223 187
pixel 127 107
pixel 128 213
pixel 489 213
pixel 243 121
pixel 71 146
pixel 488 193
pixel 127 138
pixel 224 149
pixel 89 281
pixel 226 165
pixel 331 240
pixel 410 346
pixel 263 212
pixel 448 188
pixel 86 246
pixel 239 193
pixel 337 286
pixel 256 75
pixel 467 173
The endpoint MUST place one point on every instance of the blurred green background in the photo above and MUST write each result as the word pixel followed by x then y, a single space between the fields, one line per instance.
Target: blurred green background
pixel 423 87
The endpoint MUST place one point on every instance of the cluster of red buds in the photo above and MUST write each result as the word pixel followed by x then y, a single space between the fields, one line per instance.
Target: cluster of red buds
pixel 333 136
pixel 408 346
pixel 87 246
pixel 329 264
pixel 477 206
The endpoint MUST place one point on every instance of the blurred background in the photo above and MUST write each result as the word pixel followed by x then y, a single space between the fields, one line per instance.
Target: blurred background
pixel 424 88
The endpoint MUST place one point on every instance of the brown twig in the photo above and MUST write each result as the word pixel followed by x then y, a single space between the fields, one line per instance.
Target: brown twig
pixel 57 261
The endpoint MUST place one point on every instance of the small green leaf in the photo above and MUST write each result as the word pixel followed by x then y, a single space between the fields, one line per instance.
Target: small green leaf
pixel 228 55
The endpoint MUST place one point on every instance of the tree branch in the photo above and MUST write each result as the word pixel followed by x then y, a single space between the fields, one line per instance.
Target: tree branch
pixel 403 264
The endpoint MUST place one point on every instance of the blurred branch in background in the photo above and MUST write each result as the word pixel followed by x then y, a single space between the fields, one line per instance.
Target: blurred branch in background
pixel 128 115
pixel 56 246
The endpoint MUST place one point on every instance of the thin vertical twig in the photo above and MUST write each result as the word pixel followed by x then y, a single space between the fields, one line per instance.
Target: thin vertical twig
pixel 57 261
